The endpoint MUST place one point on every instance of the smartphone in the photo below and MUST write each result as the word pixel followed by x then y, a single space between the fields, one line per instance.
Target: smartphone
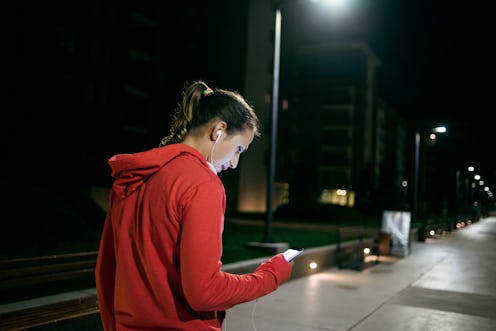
pixel 291 253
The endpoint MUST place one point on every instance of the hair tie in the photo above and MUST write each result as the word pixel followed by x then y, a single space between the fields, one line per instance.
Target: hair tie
pixel 208 91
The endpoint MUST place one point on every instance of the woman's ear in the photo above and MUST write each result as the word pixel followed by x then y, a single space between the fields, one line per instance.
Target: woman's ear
pixel 218 131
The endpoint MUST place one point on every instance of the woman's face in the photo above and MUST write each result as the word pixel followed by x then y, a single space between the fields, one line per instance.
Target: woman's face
pixel 227 150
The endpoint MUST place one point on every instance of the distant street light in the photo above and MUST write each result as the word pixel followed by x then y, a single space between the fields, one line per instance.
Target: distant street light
pixel 439 129
pixel 462 198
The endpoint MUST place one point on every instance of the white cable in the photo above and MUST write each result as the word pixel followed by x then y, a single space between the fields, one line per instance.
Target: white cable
pixel 253 315
pixel 212 151
pixel 224 326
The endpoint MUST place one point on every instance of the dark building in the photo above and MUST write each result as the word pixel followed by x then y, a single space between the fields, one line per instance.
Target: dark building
pixel 95 79
pixel 89 80
pixel 338 142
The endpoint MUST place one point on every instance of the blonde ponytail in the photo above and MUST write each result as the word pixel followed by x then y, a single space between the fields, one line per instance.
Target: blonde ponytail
pixel 186 112
pixel 200 104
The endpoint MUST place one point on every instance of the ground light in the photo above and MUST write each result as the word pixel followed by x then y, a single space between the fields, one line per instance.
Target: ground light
pixel 370 255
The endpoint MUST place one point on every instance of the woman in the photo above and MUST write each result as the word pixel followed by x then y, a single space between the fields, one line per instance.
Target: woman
pixel 159 261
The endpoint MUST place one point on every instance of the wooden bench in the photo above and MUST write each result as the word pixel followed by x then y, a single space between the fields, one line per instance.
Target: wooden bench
pixel 47 289
pixel 54 310
pixel 353 256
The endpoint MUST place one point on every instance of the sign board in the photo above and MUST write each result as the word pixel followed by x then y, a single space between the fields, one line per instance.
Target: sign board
pixel 397 224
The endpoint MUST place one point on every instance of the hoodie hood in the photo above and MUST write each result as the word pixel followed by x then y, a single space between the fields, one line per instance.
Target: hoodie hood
pixel 130 171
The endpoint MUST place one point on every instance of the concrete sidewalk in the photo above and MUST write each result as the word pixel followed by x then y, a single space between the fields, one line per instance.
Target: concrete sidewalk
pixel 443 284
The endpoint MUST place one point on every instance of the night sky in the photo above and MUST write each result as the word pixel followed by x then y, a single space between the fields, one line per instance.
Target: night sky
pixel 428 75
pixel 432 59
pixel 444 90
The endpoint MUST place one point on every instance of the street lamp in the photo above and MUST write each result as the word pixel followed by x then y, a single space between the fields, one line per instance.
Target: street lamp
pixel 439 129
pixel 462 196
pixel 273 130
pixel 274 114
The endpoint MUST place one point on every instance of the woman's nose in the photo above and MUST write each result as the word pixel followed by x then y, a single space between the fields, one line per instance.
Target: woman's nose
pixel 234 162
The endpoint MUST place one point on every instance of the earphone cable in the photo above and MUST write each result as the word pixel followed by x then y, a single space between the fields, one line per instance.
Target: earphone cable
pixel 253 315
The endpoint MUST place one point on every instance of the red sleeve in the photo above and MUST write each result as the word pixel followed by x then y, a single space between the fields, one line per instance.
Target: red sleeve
pixel 105 276
pixel 205 286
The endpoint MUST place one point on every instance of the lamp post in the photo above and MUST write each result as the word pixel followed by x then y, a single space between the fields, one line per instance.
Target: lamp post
pixel 416 178
pixel 462 188
pixel 439 129
pixel 273 129
pixel 268 238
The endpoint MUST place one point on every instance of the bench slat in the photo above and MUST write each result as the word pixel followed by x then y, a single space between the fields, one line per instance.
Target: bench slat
pixel 45 269
pixel 32 317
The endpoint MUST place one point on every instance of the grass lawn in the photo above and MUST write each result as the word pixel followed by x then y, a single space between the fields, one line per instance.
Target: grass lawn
pixel 237 236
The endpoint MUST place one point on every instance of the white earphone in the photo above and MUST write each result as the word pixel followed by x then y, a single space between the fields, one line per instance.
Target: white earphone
pixel 219 133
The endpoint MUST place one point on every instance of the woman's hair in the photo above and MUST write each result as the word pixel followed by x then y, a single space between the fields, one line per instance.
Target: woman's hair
pixel 200 104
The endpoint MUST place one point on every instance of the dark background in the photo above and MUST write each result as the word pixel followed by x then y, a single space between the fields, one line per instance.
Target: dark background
pixel 59 130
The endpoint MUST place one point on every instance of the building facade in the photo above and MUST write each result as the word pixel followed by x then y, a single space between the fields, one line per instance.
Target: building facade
pixel 336 139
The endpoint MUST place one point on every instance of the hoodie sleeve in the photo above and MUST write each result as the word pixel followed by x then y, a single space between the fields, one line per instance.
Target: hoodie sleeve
pixel 205 286
pixel 105 276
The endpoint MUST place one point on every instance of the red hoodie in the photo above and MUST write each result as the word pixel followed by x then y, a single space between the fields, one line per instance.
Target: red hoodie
pixel 159 265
